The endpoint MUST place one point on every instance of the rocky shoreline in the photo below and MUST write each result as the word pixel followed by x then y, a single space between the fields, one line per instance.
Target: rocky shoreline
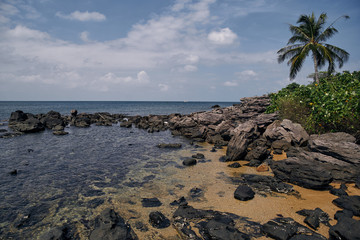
pixel 312 161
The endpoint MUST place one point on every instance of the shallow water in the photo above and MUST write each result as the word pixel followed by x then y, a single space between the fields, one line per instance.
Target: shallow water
pixel 67 176
pixel 72 178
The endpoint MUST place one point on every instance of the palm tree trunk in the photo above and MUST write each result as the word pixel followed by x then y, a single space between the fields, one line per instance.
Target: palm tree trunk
pixel 316 70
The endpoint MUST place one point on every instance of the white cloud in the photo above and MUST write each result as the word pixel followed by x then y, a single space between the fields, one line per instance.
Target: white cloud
pixel 174 41
pixel 179 5
pixel 223 37
pixel 190 68
pixel 249 73
pixel 230 84
pixel 163 87
pixel 143 77
pixel 24 33
pixel 85 36
pixel 83 16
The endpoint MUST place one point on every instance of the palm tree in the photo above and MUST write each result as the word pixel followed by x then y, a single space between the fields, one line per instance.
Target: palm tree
pixel 310 37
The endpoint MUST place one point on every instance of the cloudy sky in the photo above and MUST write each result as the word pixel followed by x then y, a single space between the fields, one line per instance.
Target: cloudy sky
pixel 166 50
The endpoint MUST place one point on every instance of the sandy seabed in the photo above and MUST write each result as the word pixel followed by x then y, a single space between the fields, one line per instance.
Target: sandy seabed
pixel 213 177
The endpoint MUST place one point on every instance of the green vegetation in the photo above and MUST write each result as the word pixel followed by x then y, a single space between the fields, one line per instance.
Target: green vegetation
pixel 309 37
pixel 330 106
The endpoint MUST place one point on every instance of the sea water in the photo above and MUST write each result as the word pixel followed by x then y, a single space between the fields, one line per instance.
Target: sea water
pixel 63 179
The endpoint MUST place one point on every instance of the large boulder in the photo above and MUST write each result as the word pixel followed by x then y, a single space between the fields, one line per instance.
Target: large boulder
pixel 351 203
pixel 25 122
pixel 287 228
pixel 345 229
pixel 208 118
pixel 339 145
pixel 301 172
pixel 52 119
pixel 288 131
pixel 244 134
pixel 109 225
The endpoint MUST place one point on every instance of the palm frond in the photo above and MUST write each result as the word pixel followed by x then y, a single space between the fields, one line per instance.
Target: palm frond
pixel 339 54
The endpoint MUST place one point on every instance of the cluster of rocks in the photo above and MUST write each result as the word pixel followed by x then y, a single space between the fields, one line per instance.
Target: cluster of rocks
pixel 20 122
pixel 312 161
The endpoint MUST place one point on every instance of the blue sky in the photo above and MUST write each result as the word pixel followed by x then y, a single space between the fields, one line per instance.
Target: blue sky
pixel 158 50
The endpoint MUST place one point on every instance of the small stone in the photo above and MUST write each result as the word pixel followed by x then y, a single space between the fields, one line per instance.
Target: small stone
pixel 150 202
pixel 244 193
pixel 158 220
pixel 189 162
pixel 234 165
pixel 262 168
pixel 198 156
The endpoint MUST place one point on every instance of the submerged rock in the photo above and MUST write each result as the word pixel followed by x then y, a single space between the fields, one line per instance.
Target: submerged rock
pixel 189 162
pixel 151 202
pixel 109 225
pixel 169 145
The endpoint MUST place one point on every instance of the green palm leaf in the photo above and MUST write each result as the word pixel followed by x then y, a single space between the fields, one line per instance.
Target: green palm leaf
pixel 307 37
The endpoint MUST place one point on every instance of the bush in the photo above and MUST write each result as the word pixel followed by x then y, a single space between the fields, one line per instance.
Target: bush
pixel 333 105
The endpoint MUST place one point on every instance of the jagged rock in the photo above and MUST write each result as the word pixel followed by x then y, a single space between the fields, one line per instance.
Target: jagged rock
pixel 214 224
pixel 288 131
pixel 267 183
pixel 52 119
pixel 109 225
pixel 339 145
pixel 259 153
pixel 25 122
pixel 208 118
pixel 351 203
pixel 314 217
pixel 158 220
pixel 343 213
pixel 302 173
pixel 214 229
pixel 287 228
pixel 82 120
pixel 244 134
pixel 244 193
pixel 340 170
pixel 345 229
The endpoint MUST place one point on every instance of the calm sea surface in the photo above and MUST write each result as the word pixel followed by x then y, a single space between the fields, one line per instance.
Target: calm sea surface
pixel 64 179
pixel 130 108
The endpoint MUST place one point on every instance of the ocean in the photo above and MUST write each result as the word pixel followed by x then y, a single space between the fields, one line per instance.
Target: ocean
pixel 69 179
pixel 132 108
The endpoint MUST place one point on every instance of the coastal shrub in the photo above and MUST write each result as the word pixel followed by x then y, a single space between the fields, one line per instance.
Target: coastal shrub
pixel 332 105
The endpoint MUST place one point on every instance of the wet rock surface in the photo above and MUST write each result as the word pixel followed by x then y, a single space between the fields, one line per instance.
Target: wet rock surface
pixel 244 193
pixel 287 228
pixel 213 224
pixel 158 220
pixel 109 225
